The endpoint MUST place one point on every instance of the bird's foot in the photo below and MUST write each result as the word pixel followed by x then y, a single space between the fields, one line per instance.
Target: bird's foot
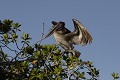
pixel 74 52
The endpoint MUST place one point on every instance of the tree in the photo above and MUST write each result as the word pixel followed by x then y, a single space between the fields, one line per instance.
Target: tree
pixel 39 62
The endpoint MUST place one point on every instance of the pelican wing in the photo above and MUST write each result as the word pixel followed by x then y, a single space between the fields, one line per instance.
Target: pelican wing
pixel 81 35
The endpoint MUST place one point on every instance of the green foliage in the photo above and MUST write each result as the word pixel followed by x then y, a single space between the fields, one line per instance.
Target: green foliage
pixel 38 62
pixel 115 75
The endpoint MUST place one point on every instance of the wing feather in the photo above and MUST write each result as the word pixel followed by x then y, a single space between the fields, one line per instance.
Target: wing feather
pixel 82 36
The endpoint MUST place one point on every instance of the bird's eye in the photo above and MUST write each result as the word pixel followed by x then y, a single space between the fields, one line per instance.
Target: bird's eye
pixel 59 29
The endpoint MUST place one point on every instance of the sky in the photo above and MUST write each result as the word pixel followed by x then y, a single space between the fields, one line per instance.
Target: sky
pixel 100 17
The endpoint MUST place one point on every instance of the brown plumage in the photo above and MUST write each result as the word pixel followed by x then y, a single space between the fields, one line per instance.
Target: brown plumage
pixel 67 39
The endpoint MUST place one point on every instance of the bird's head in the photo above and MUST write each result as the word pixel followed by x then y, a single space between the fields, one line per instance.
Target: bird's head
pixel 57 27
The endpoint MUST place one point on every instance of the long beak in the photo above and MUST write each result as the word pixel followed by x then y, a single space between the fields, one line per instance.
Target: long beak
pixel 51 32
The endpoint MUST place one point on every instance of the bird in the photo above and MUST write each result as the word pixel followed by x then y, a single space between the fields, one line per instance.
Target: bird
pixel 67 39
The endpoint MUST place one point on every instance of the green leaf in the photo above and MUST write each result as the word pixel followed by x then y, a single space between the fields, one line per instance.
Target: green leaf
pixel 5 26
pixel 71 57
pixel 89 63
pixel 37 54
pixel 48 48
pixel 82 75
pixel 94 72
pixel 115 75
pixel 57 51
pixel 58 69
pixel 29 50
pixel 25 36
pixel 44 52
pixel 40 76
pixel 25 63
pixel 64 57
pixel 8 22
pixel 16 25
pixel 14 37
pixel 5 36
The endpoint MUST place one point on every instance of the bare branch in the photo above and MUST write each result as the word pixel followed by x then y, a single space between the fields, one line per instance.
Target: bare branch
pixel 9 48
pixel 42 36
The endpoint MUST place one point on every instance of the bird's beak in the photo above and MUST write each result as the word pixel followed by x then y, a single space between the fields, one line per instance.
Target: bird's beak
pixel 51 32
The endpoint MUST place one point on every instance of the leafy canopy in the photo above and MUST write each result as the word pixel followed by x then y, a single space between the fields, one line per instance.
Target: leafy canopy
pixel 38 62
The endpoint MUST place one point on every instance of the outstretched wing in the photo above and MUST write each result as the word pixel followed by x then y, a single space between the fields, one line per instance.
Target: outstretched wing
pixel 81 35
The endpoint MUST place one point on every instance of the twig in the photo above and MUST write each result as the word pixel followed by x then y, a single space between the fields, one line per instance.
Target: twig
pixel 42 34
pixel 9 47
pixel 41 38
pixel 68 74
pixel 17 45
pixel 91 70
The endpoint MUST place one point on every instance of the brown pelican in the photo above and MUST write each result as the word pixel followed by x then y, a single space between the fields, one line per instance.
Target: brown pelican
pixel 67 39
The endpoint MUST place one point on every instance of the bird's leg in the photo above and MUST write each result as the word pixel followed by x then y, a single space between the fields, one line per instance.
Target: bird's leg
pixel 73 51
pixel 77 53
pixel 70 49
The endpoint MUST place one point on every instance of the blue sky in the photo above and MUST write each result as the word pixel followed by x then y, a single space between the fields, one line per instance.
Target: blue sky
pixel 101 18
